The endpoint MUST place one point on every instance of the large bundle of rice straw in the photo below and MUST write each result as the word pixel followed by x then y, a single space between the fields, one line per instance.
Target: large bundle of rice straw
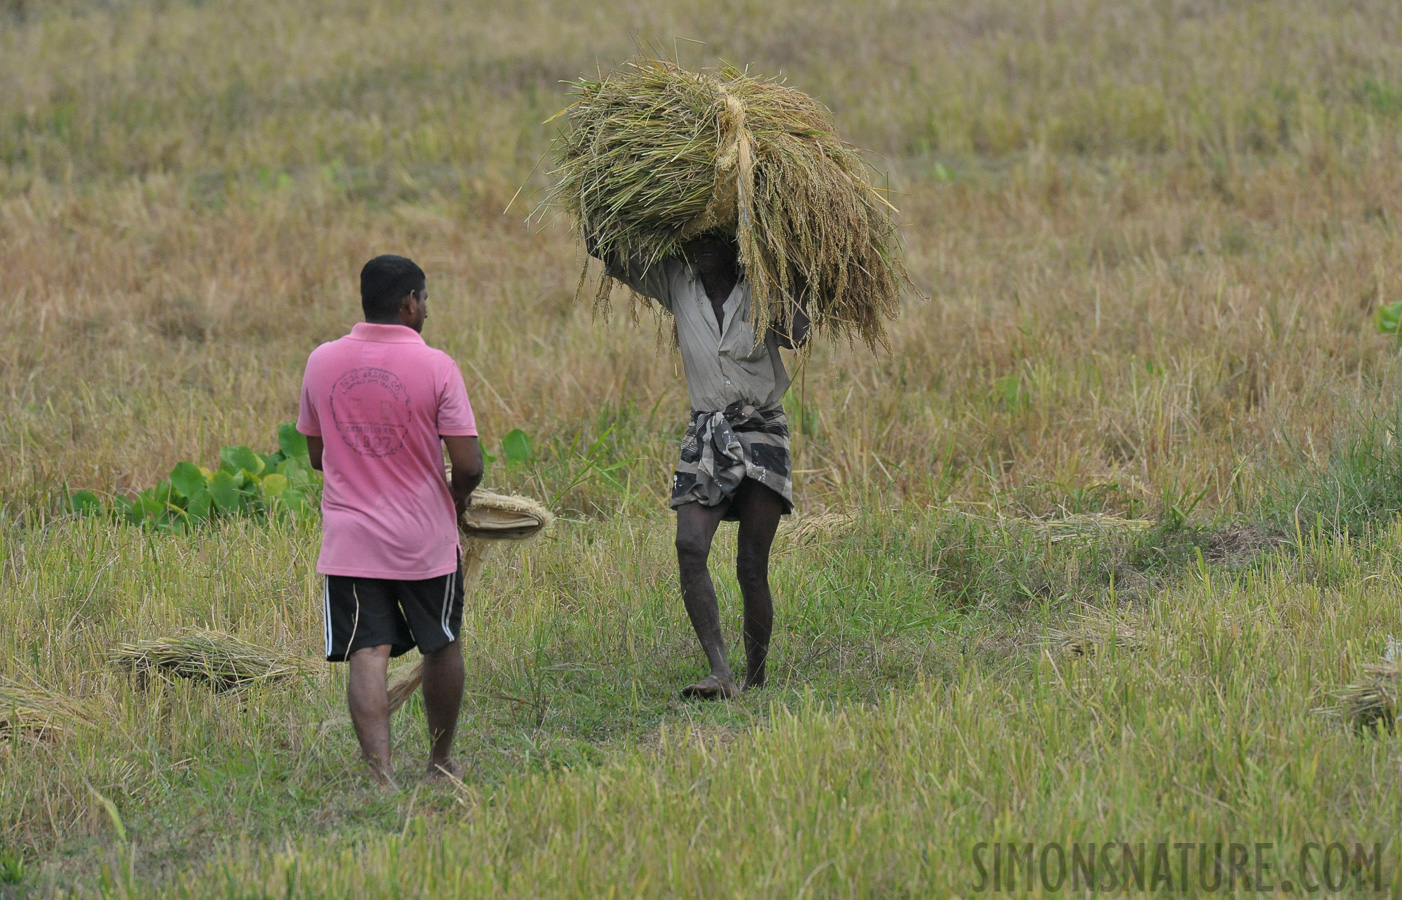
pixel 33 712
pixel 656 155
pixel 221 660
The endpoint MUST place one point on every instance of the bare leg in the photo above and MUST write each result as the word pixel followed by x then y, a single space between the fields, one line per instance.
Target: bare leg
pixel 759 509
pixel 696 526
pixel 443 678
pixel 368 698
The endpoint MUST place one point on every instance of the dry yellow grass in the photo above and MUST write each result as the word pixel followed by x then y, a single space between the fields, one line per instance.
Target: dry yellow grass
pixel 1099 312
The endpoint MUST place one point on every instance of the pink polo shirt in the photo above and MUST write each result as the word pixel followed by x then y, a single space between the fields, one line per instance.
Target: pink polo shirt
pixel 380 398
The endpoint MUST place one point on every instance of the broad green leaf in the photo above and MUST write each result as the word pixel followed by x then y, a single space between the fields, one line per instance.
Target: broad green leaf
pixel 296 471
pixel 271 461
pixel 295 501
pixel 130 509
pixel 234 458
pixel 199 505
pixel 516 446
pixel 85 502
pixel 187 479
pixel 163 492
pixel 274 485
pixel 250 480
pixel 224 492
pixel 151 506
pixel 1389 319
pixel 291 441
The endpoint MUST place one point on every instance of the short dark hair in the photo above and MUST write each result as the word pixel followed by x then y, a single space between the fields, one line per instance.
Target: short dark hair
pixel 384 282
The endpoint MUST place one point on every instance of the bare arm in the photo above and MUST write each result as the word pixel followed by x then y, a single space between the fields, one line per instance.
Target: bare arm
pixel 466 457
pixel 314 447
pixel 650 281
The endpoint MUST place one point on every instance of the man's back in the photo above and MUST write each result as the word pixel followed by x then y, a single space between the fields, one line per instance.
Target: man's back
pixel 381 399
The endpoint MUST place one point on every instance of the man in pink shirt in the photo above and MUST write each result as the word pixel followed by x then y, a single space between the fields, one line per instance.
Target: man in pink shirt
pixel 378 406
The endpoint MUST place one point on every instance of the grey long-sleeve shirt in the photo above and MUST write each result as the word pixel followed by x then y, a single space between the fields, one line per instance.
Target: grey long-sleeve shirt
pixel 722 366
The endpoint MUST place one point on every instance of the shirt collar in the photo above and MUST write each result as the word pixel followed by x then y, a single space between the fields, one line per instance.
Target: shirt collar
pixel 385 334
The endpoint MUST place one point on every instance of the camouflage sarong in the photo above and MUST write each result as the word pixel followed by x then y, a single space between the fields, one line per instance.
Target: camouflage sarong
pixel 722 449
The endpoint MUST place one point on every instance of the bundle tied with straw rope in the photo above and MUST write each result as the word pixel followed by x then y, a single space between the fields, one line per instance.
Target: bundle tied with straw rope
pixel 222 661
pixel 656 155
pixel 490 518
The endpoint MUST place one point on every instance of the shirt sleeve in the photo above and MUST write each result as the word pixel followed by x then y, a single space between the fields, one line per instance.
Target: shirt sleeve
pixel 455 418
pixel 650 281
pixel 308 422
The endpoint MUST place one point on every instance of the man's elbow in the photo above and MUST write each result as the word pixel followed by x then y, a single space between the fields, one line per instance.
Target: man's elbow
pixel 468 474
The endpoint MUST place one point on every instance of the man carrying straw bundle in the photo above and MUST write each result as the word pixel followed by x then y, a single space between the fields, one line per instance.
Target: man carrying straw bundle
pixel 735 463
pixel 378 406
pixel 730 202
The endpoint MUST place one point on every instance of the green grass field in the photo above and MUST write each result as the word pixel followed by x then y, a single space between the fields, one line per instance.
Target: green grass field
pixel 1089 557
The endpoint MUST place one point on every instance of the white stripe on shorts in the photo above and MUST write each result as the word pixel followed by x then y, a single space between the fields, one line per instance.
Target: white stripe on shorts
pixel 448 606
pixel 326 609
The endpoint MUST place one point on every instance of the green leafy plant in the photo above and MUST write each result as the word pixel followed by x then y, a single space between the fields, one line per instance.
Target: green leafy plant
pixel 1389 319
pixel 247 483
pixel 516 447
pixel 594 466
pixel 1178 506
pixel 11 867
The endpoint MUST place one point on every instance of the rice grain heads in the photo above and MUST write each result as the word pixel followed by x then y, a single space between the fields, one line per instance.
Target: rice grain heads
pixel 656 154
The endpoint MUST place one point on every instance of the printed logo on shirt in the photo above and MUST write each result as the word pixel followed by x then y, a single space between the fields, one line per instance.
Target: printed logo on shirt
pixel 371 410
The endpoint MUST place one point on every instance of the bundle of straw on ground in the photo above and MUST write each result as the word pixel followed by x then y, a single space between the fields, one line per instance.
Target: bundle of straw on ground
pixel 656 155
pixel 489 518
pixel 822 528
pixel 31 711
pixel 221 660
pixel 1091 633
pixel 1370 703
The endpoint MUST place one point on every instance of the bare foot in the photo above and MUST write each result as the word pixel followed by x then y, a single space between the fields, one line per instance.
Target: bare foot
pixel 443 771
pixel 712 687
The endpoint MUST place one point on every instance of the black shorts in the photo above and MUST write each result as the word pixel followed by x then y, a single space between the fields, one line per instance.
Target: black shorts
pixel 370 612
